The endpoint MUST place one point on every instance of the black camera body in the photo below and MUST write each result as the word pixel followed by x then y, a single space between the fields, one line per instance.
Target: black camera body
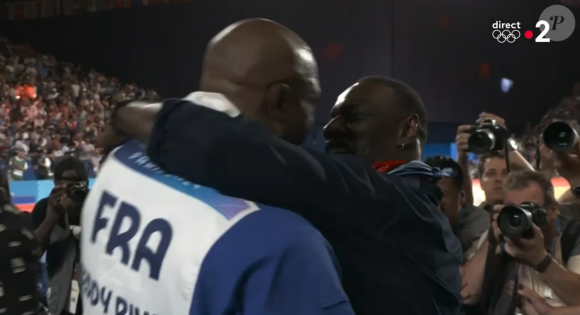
pixel 77 193
pixel 559 136
pixel 488 136
pixel 516 221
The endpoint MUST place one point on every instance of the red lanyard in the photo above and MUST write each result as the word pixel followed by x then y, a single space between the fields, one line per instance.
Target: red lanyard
pixel 387 166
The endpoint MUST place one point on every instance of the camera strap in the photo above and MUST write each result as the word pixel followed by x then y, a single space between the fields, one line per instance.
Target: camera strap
pixel 515 301
pixel 487 300
pixel 495 277
pixel 515 295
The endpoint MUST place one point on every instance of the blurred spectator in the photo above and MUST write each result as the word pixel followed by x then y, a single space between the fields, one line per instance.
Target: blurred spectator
pixel 44 165
pixel 18 165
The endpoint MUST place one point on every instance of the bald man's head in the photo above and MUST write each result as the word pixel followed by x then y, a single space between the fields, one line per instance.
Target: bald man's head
pixel 268 71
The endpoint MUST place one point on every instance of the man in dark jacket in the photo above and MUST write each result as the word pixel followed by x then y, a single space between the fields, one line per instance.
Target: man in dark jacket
pixel 397 251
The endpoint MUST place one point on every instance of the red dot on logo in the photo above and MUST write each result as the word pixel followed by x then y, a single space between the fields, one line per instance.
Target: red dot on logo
pixel 528 34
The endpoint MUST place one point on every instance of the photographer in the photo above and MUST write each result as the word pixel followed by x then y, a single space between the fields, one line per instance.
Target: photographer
pixel 468 223
pixel 568 167
pixel 546 258
pixel 19 259
pixel 56 220
pixel 491 166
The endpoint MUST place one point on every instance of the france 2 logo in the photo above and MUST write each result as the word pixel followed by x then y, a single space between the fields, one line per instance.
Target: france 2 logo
pixel 556 24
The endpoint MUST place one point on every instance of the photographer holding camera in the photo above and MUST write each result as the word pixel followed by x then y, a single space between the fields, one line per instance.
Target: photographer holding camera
pixel 533 245
pixel 488 139
pixel 56 220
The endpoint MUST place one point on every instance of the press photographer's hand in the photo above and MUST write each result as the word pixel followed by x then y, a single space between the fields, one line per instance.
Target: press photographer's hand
pixel 546 160
pixel 55 210
pixel 528 251
pixel 532 302
pixel 461 141
pixel 58 202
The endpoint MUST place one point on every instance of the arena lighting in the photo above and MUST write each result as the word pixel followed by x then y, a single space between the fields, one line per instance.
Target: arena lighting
pixel 506 84
pixel 484 71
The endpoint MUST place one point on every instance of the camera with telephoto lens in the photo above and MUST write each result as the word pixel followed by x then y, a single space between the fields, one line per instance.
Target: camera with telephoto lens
pixel 488 136
pixel 77 193
pixel 516 221
pixel 559 136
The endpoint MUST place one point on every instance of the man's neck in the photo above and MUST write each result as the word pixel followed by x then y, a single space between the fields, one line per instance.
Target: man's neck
pixel 453 222
pixel 402 155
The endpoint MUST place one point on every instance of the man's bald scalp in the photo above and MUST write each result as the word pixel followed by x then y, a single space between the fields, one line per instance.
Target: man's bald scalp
pixel 254 53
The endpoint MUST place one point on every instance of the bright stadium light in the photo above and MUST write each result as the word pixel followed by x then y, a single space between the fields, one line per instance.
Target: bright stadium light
pixel 506 84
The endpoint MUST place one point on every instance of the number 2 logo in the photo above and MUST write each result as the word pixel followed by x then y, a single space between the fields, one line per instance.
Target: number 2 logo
pixel 545 30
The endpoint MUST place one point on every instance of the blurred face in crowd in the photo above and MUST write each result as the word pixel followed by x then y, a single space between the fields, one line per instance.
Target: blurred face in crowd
pixel 494 176
pixel 365 121
pixel 534 193
pixel 67 178
pixel 453 198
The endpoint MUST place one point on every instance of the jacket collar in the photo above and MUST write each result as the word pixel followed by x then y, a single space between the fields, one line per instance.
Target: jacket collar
pixel 413 168
pixel 215 101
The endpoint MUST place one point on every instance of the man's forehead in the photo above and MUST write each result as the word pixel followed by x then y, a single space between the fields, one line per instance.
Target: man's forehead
pixel 532 193
pixel 446 184
pixel 367 92
pixel 495 163
pixel 342 97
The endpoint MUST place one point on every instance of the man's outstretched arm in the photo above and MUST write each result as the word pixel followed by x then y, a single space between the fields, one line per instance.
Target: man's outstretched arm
pixel 238 157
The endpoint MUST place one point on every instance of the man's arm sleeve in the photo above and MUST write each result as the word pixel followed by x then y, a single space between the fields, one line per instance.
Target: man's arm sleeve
pixel 302 279
pixel 238 157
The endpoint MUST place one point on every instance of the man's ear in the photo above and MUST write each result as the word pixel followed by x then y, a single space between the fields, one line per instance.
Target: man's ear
pixel 412 128
pixel 409 128
pixel 273 109
pixel 276 98
pixel 462 196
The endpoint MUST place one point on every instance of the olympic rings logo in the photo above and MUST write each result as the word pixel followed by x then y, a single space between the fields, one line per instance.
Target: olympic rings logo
pixel 505 35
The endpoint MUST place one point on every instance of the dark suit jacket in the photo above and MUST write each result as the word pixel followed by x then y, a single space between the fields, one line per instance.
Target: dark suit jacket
pixel 397 251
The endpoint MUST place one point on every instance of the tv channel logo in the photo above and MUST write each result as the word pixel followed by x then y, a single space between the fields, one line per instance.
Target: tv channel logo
pixel 506 32
pixel 556 24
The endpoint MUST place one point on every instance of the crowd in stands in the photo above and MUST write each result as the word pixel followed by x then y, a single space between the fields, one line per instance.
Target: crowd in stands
pixel 50 109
